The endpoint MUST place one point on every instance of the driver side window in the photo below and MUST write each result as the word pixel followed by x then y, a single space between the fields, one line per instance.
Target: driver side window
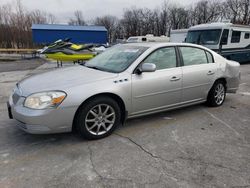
pixel 163 58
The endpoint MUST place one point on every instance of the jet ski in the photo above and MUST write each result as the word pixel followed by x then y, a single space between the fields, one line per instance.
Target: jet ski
pixel 57 44
pixel 64 50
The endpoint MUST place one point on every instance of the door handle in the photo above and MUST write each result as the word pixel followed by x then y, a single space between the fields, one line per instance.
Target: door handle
pixel 210 73
pixel 174 78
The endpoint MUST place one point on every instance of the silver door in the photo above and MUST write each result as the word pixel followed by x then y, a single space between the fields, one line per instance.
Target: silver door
pixel 159 89
pixel 198 73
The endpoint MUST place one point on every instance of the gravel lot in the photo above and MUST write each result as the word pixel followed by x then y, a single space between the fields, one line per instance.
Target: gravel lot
pixel 192 147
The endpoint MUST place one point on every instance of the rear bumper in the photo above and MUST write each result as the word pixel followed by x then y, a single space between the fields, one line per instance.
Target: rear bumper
pixel 233 84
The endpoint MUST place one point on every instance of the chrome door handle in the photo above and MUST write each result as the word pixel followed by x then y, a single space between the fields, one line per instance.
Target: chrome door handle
pixel 210 73
pixel 174 78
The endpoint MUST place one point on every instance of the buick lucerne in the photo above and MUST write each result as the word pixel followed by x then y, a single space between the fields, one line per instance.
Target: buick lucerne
pixel 125 81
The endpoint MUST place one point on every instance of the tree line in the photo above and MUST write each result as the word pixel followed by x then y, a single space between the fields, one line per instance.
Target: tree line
pixel 16 21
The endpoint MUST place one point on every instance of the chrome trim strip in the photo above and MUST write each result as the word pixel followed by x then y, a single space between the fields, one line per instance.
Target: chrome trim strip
pixel 157 93
pixel 165 108
pixel 198 85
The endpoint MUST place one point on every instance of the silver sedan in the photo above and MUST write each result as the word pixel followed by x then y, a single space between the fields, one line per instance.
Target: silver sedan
pixel 126 81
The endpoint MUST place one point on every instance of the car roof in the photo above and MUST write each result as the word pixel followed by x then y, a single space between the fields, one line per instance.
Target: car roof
pixel 166 44
pixel 162 44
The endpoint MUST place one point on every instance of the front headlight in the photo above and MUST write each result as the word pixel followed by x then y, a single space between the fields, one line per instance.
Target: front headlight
pixel 50 99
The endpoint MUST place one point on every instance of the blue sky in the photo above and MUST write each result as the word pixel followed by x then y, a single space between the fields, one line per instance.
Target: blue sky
pixel 64 9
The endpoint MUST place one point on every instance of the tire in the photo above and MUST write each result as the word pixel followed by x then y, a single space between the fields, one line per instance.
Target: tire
pixel 217 94
pixel 94 119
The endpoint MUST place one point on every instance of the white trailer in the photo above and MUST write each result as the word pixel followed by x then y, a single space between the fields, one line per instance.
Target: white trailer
pixel 148 38
pixel 230 40
pixel 178 35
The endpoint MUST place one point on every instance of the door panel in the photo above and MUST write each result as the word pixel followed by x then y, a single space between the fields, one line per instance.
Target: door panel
pixel 156 90
pixel 198 73
pixel 197 80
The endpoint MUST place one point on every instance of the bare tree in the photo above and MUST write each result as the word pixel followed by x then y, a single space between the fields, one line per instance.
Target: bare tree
pixel 237 11
pixel 141 22
pixel 178 17
pixel 16 21
pixel 15 25
pixel 163 19
pixel 51 18
pixel 110 23
pixel 78 19
pixel 206 11
pixel 38 17
pixel 232 10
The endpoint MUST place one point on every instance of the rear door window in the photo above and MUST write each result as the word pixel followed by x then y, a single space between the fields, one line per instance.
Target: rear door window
pixel 193 56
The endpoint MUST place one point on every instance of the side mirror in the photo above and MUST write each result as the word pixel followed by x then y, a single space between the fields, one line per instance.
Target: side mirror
pixel 148 67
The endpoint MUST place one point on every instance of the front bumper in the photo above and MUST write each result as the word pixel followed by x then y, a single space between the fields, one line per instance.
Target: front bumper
pixel 41 121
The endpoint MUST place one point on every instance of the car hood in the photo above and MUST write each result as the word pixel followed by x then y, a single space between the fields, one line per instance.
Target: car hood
pixel 62 79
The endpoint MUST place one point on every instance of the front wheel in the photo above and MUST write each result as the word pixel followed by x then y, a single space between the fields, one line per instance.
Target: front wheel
pixel 217 94
pixel 98 118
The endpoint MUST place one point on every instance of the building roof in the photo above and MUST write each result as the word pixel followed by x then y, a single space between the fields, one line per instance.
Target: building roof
pixel 67 27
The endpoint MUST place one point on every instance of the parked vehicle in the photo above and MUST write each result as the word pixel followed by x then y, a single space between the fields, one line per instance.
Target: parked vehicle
pixel 178 35
pixel 148 38
pixel 125 81
pixel 230 40
pixel 57 44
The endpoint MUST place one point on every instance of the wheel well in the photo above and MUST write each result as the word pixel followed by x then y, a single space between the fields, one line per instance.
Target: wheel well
pixel 223 80
pixel 219 79
pixel 111 95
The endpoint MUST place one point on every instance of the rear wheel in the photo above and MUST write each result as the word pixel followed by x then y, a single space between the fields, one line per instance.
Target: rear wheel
pixel 98 118
pixel 217 94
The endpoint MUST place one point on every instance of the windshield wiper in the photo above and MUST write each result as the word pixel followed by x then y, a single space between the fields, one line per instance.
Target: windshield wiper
pixel 100 69
pixel 94 67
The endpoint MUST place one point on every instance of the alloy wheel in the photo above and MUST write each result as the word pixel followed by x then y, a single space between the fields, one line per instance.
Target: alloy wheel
pixel 219 94
pixel 100 119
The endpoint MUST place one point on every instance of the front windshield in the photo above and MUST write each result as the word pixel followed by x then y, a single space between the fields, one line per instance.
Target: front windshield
pixel 209 37
pixel 116 59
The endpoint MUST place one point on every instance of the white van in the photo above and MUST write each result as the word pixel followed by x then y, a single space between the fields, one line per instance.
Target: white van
pixel 230 40
pixel 148 38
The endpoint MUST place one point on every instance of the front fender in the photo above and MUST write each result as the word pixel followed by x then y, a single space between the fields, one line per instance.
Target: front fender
pixel 120 86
